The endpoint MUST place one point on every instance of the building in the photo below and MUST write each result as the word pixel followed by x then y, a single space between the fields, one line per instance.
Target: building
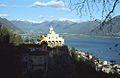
pixel 107 69
pixel 36 59
pixel 51 38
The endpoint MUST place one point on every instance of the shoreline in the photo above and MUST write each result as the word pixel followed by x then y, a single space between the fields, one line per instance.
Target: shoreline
pixel 31 35
pixel 98 63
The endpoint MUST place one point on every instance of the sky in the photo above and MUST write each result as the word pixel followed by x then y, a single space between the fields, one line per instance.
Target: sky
pixel 41 10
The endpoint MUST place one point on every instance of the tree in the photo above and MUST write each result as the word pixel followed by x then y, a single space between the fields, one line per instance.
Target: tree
pixel 112 61
pixel 4 35
pixel 7 37
pixel 32 41
pixel 27 40
pixel 15 39
pixel 74 54
pixel 106 7
pixel 0 25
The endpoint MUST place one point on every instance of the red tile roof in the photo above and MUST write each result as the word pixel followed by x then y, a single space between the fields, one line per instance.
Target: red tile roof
pixel 41 36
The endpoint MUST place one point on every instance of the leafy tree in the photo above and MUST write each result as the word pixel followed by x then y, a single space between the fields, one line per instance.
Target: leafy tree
pixel 112 61
pixel 7 37
pixel 32 41
pixel 4 35
pixel 74 54
pixel 0 25
pixel 27 39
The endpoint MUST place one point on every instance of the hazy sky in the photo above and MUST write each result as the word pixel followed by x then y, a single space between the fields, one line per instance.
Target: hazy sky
pixel 40 10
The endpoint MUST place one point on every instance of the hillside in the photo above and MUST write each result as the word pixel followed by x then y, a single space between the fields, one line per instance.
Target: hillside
pixel 111 27
pixel 10 26
pixel 59 26
pixel 25 26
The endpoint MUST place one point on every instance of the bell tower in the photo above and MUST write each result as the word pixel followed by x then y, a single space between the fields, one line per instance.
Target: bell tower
pixel 51 31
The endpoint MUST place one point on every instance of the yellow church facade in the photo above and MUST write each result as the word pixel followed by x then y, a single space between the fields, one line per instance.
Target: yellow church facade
pixel 51 38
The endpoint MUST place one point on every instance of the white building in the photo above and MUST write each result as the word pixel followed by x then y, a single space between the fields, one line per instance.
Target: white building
pixel 105 63
pixel 51 38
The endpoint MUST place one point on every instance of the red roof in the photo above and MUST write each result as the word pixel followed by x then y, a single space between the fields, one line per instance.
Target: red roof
pixel 41 36
pixel 44 35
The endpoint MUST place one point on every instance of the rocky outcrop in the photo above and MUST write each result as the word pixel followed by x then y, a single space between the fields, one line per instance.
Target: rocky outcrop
pixel 61 64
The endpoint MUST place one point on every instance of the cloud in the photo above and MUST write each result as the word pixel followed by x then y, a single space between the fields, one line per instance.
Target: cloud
pixel 64 9
pixel 3 5
pixel 4 15
pixel 72 20
pixel 31 21
pixel 52 3
pixel 41 16
pixel 51 17
pixel 45 17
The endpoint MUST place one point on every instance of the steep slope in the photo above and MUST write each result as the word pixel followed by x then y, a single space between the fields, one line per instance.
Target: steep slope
pixel 111 27
pixel 25 26
pixel 82 28
pixel 59 26
pixel 10 26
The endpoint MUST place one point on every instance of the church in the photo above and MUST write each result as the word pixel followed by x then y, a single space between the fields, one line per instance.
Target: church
pixel 52 39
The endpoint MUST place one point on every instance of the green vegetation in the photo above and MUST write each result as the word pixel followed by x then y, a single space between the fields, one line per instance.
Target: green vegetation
pixel 62 63
pixel 10 54
pixel 10 26
pixel 86 69
pixel 4 35
pixel 7 37
pixel 74 54
pixel 29 41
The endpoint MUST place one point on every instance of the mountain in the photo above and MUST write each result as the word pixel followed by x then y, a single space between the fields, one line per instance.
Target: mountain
pixel 59 26
pixel 25 26
pixel 10 26
pixel 110 27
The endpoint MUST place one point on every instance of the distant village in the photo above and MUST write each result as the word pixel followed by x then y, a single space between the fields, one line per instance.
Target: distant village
pixel 100 64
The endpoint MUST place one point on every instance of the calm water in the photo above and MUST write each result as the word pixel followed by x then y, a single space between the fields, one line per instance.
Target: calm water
pixel 99 47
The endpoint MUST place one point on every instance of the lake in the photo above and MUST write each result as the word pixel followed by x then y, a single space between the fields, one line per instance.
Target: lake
pixel 103 48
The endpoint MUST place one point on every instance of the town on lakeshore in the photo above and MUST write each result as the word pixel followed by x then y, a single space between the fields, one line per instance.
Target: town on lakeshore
pixel 50 57
pixel 59 38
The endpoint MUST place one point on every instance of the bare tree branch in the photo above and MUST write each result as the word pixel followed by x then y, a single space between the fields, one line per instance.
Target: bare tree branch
pixel 108 15
pixel 88 6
